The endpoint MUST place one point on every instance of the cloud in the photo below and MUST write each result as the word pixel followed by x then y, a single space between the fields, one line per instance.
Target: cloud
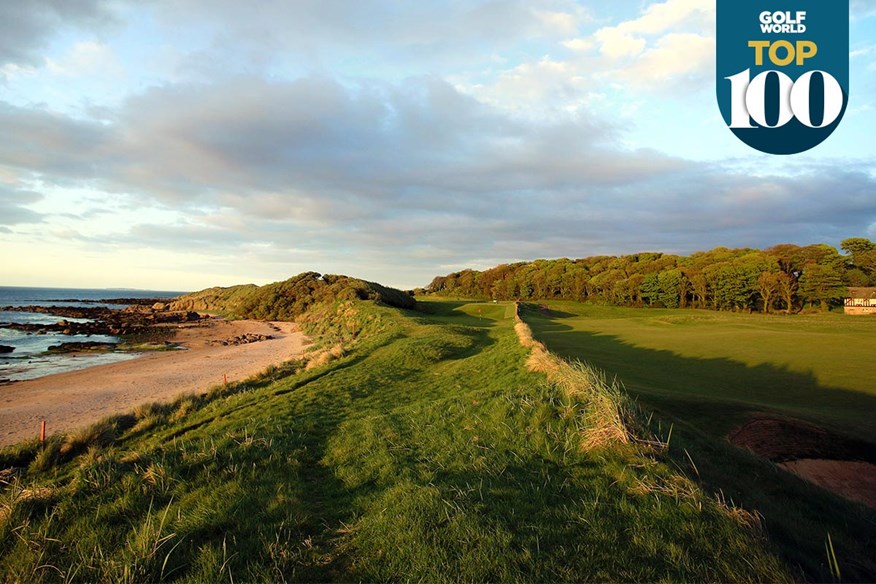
pixel 407 245
pixel 563 22
pixel 13 210
pixel 27 27
pixel 668 49
pixel 185 235
pixel 861 9
pixel 412 36
pixel 615 43
pixel 681 58
pixel 864 51
pixel 87 58
pixel 660 17
pixel 669 44
pixel 724 206
pixel 378 178
pixel 51 144
pixel 544 88
pixel 367 170
pixel 320 143
pixel 578 44
pixel 317 168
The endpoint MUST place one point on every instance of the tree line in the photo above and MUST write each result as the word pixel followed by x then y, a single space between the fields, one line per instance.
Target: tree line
pixel 785 278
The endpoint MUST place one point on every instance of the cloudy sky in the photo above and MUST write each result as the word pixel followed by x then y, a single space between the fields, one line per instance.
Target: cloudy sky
pixel 179 144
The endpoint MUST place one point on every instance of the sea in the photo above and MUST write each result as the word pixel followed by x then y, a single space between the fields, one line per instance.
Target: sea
pixel 30 358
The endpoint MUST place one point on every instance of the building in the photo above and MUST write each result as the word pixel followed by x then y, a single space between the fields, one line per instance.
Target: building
pixel 861 301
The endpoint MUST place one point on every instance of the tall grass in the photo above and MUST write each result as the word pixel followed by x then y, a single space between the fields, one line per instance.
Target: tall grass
pixel 609 410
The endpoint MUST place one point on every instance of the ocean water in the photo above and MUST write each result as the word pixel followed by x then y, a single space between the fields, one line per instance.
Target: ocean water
pixel 29 360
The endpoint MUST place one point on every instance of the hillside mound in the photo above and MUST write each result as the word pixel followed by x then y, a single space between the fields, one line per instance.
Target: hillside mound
pixel 290 298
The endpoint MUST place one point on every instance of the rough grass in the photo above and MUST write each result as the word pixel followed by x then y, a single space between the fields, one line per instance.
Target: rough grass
pixel 425 451
pixel 608 411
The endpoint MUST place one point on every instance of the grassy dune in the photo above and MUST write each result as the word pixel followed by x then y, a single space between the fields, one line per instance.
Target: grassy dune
pixel 708 372
pixel 424 449
pixel 289 299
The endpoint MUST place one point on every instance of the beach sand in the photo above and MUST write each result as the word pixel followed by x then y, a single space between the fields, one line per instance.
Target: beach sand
pixel 67 401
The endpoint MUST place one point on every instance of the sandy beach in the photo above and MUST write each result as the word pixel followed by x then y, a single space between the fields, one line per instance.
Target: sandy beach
pixel 72 400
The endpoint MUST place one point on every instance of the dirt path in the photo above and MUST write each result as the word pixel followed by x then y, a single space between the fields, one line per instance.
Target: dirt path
pixel 78 398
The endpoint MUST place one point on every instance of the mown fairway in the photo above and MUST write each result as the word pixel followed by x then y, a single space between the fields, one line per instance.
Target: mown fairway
pixel 707 373
pixel 713 369
pixel 427 452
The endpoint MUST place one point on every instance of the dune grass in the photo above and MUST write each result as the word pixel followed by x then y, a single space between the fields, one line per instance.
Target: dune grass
pixel 425 450
pixel 707 372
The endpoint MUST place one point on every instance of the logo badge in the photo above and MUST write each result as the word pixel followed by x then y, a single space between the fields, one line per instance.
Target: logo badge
pixel 782 71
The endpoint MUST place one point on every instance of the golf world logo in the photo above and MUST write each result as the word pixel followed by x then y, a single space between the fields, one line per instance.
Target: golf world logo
pixel 782 71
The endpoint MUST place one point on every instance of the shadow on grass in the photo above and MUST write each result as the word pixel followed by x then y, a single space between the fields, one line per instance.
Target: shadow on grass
pixel 450 312
pixel 714 394
pixel 544 310
pixel 705 399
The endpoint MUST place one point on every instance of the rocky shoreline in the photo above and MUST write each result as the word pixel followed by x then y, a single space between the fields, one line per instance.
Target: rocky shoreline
pixel 241 340
pixel 101 320
pixel 144 323
pixel 80 347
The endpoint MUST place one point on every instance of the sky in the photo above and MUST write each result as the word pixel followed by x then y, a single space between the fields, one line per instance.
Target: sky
pixel 182 144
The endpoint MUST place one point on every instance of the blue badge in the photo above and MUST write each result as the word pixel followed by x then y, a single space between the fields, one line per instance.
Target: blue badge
pixel 782 71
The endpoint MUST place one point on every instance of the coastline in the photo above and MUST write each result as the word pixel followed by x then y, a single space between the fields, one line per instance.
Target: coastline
pixel 67 401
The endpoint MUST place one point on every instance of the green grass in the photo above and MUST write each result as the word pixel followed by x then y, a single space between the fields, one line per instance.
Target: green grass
pixel 708 372
pixel 817 367
pixel 427 452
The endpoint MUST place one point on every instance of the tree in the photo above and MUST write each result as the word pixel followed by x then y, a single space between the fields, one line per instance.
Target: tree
pixel 856 277
pixel 671 285
pixel 787 289
pixel 822 254
pixel 650 289
pixel 857 245
pixel 787 255
pixel 700 288
pixel 863 260
pixel 768 288
pixel 867 262
pixel 822 284
pixel 605 282
pixel 627 290
pixel 720 279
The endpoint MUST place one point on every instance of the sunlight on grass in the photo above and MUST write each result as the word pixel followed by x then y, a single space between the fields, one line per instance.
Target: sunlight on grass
pixel 426 450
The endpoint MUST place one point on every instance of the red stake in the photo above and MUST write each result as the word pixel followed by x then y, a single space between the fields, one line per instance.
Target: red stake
pixel 43 432
pixel 225 378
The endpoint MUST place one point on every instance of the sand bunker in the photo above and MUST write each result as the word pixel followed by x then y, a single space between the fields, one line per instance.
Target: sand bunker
pixel 841 465
pixel 78 398
pixel 850 479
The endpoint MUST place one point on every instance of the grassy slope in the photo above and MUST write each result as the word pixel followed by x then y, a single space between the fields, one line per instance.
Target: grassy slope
pixel 708 372
pixel 289 299
pixel 427 452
